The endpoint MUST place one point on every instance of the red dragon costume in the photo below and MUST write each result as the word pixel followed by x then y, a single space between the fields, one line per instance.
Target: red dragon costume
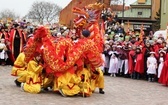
pixel 54 52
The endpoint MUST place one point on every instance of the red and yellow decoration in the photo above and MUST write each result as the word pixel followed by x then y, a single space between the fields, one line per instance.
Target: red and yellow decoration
pixel 60 57
pixel 88 18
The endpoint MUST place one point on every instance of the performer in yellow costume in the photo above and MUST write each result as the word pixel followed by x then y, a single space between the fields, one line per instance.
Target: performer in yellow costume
pixel 97 80
pixel 35 80
pixel 68 84
pixel 19 69
pixel 91 80
pixel 85 87
pixel 34 75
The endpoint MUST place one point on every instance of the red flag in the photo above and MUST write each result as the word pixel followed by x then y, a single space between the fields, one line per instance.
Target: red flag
pixel 141 33
pixel 80 2
pixel 102 31
pixel 128 29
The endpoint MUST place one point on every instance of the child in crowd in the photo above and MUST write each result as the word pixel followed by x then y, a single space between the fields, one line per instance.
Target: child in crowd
pixel 113 68
pixel 161 62
pixel 106 58
pixel 3 53
pixel 138 60
pixel 152 66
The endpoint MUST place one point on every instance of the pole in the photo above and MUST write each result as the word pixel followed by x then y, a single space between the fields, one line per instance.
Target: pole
pixel 83 80
pixel 123 11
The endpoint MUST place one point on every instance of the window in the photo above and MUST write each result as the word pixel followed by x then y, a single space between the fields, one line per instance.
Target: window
pixel 139 13
pixel 141 1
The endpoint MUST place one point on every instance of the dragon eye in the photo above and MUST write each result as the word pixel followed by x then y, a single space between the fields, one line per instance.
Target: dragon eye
pixel 84 16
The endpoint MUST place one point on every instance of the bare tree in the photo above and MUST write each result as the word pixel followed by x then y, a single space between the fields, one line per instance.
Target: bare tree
pixel 8 14
pixel 44 12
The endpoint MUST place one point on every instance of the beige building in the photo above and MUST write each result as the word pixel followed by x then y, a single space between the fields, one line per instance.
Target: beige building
pixel 141 12
pixel 155 8
pixel 164 14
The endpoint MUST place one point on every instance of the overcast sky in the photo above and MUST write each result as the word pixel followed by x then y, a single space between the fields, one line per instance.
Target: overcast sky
pixel 21 7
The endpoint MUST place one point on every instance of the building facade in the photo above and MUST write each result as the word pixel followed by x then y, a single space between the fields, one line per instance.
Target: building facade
pixel 164 14
pixel 141 12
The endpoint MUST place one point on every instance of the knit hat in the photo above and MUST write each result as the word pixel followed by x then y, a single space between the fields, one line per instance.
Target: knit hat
pixel 112 33
pixel 159 41
pixel 86 33
pixel 16 25
pixel 152 52
pixel 127 37
pixel 162 51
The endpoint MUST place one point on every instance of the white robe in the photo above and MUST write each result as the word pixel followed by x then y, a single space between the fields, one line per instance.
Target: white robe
pixel 120 64
pixel 126 66
pixel 151 65
pixel 106 63
pixel 113 68
pixel 103 66
pixel 3 54
pixel 161 62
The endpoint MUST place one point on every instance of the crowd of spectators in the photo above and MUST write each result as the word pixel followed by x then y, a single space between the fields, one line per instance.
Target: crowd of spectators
pixel 136 55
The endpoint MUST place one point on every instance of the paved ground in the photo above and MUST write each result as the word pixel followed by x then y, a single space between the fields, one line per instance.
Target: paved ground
pixel 119 91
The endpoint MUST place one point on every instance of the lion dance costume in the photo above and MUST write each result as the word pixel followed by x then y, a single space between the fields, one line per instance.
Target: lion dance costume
pixel 75 67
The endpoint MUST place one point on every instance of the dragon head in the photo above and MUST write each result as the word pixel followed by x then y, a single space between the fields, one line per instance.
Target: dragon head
pixel 82 17
pixel 88 14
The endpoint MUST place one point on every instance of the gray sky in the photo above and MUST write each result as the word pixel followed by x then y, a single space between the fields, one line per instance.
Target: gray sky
pixel 21 7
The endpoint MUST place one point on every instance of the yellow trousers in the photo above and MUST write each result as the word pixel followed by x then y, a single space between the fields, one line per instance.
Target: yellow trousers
pixel 22 76
pixel 32 88
pixel 97 80
pixel 47 81
pixel 36 88
pixel 85 87
pixel 70 89
pixel 68 83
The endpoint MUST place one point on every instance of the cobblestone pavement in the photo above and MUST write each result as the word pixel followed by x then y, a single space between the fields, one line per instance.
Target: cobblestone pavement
pixel 119 91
